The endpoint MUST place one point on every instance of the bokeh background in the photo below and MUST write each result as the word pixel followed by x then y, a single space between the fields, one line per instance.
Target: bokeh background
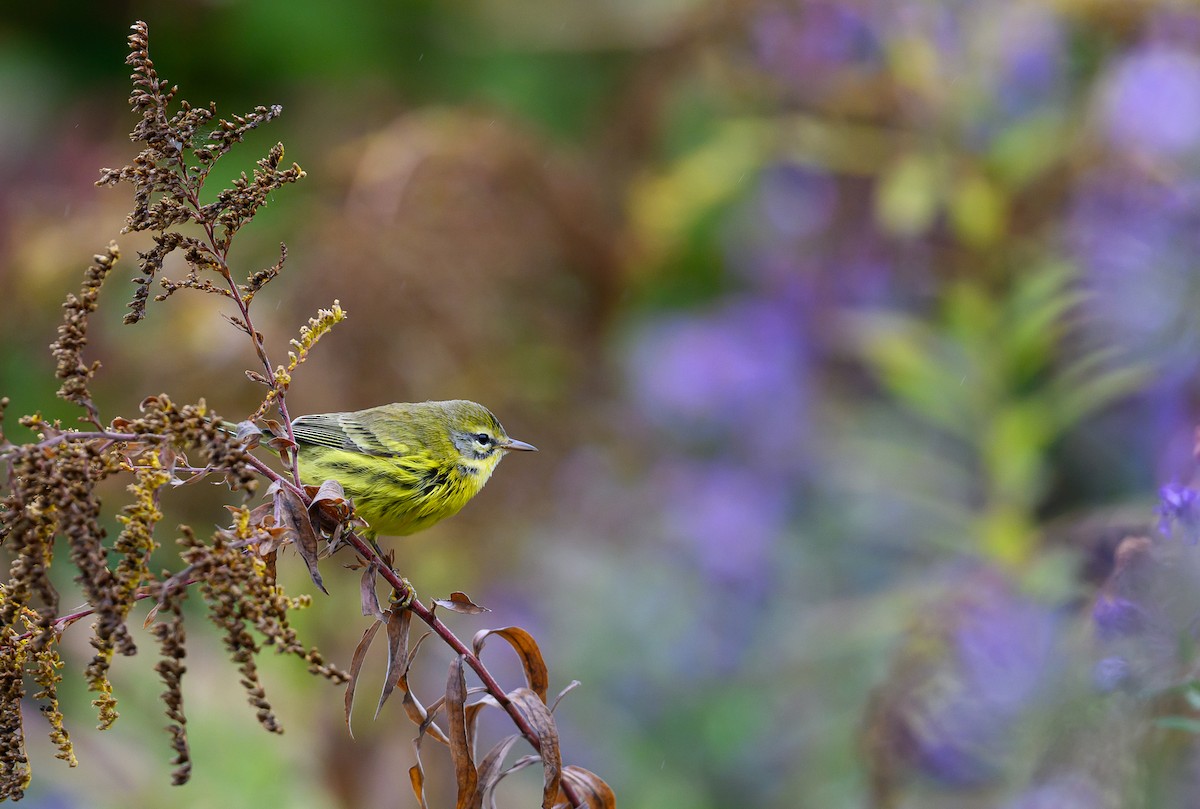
pixel 855 336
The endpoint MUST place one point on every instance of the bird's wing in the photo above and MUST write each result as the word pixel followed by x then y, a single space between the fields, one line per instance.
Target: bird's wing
pixel 340 431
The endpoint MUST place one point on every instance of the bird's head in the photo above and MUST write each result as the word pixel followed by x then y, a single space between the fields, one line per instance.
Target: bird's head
pixel 479 437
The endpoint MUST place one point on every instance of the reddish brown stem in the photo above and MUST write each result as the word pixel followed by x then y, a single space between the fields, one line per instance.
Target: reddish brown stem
pixel 442 631
pixel 63 621
pixel 94 435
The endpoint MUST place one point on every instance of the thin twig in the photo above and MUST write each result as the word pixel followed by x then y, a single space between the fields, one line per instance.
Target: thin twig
pixel 63 621
pixel 79 435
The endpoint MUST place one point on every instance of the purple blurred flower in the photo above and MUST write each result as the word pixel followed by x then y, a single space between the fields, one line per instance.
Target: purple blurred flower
pixel 1004 654
pixel 1005 645
pixel 1151 103
pixel 738 371
pixel 1117 617
pixel 1178 506
pixel 796 201
pixel 730 518
pixel 803 44
pixel 807 240
pixel 1032 65
pixel 1110 673
pixel 1137 242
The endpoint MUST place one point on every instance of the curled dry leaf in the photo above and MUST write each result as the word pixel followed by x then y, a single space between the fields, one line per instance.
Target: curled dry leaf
pixel 273 536
pixel 281 444
pixel 329 495
pixel 150 616
pixel 367 594
pixel 356 662
pixel 249 434
pixel 490 771
pixel 474 709
pixel 397 665
pixel 571 686
pixel 413 708
pixel 465 774
pixel 330 508
pixel 416 773
pixel 589 787
pixel 536 674
pixel 533 707
pixel 460 603
pixel 291 513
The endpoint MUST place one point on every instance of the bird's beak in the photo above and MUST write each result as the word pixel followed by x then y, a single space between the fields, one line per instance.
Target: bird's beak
pixel 513 443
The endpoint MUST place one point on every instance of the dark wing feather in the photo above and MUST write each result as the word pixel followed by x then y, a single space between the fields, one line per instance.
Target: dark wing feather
pixel 338 431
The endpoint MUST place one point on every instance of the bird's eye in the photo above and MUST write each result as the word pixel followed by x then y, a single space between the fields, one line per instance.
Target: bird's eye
pixel 483 438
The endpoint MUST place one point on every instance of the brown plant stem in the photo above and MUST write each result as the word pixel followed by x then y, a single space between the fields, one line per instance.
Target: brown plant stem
pixel 63 621
pixel 220 256
pixel 442 631
pixel 79 435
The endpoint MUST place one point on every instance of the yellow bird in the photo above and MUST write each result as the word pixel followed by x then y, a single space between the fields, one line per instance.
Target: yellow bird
pixel 406 466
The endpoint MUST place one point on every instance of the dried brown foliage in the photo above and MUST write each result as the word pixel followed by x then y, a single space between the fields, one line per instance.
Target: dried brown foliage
pixel 51 491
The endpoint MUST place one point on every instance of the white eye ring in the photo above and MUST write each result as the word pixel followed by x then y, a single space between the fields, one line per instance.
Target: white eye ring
pixel 483 438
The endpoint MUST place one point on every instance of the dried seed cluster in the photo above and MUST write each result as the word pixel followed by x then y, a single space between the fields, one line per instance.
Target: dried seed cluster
pixel 51 483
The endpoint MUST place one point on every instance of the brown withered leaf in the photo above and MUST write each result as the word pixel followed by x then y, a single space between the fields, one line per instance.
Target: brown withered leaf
pixel 571 686
pixel 280 444
pixel 460 603
pixel 255 376
pixel 416 777
pixel 490 770
pixel 413 708
pixel 367 594
pixel 397 665
pixel 270 559
pixel 262 518
pixel 249 434
pixel 589 787
pixel 465 774
pixel 416 773
pixel 520 764
pixel 533 706
pixel 356 662
pixel 330 491
pixel 536 674
pixel 474 709
pixel 291 513
pixel 330 508
pixel 150 616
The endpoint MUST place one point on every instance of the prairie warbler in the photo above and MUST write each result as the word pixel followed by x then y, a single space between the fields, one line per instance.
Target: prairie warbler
pixel 406 466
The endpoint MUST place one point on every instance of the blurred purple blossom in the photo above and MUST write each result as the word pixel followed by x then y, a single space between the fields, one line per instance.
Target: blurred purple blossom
pixel 1032 64
pixel 1178 506
pixel 796 201
pixel 1174 26
pixel 1003 649
pixel 1137 242
pixel 804 43
pixel 1117 617
pixel 729 518
pixel 738 371
pixel 1110 673
pixel 1005 645
pixel 806 239
pixel 1151 102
